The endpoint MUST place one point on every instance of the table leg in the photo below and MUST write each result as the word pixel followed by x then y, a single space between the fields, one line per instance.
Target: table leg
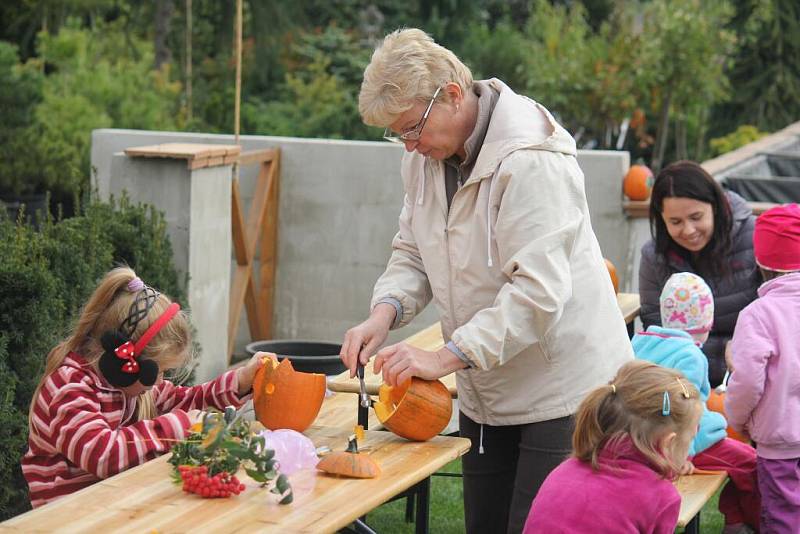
pixel 359 527
pixel 693 526
pixel 423 506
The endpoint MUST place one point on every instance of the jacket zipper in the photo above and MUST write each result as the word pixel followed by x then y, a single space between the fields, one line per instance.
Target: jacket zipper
pixel 450 288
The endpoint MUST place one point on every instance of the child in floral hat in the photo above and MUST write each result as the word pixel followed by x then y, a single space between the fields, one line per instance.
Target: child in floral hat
pixel 763 398
pixel 687 315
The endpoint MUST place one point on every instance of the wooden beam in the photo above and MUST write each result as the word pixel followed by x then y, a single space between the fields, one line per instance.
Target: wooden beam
pixel 257 156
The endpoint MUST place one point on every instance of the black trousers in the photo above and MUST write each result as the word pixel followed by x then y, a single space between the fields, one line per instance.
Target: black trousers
pixel 500 484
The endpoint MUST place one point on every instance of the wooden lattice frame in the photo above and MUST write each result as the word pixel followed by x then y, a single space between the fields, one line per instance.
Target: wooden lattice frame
pixel 261 226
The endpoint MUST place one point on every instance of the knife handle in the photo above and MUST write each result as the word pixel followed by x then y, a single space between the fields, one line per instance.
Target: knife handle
pixel 360 371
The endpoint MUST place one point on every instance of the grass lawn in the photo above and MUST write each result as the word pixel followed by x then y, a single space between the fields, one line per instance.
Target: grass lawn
pixel 447 510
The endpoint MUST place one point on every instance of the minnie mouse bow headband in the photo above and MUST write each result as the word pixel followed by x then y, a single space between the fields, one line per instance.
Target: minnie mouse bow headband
pixel 119 363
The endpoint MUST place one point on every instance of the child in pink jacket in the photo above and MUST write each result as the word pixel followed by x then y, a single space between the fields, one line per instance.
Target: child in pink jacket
pixel 763 398
pixel 631 439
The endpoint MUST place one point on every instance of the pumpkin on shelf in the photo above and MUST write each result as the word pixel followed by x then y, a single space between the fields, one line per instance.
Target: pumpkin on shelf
pixel 349 463
pixel 285 398
pixel 716 403
pixel 417 409
pixel 638 182
pixel 612 272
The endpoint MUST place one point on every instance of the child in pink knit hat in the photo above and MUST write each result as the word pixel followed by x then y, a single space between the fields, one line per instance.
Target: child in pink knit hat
pixel 763 398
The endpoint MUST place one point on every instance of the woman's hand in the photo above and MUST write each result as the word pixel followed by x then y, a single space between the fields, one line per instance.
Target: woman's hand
pixel 247 372
pixel 401 361
pixel 362 340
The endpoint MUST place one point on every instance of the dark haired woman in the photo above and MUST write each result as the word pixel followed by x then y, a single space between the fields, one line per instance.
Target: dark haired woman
pixel 697 227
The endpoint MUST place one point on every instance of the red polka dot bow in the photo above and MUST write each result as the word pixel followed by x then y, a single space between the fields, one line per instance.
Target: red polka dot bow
pixel 127 351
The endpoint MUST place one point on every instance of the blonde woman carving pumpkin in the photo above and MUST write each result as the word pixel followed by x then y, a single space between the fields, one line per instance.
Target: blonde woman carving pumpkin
pixel 495 230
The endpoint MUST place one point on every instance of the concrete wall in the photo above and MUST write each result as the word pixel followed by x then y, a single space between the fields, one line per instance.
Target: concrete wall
pixel 339 202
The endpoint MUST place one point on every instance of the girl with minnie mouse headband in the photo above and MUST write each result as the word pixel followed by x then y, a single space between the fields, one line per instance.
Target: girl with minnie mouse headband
pixel 102 405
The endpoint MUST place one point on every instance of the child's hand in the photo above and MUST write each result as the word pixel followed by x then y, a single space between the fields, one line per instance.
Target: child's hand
pixel 688 468
pixel 248 371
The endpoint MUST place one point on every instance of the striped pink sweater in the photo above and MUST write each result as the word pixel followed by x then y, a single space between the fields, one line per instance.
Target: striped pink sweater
pixel 84 430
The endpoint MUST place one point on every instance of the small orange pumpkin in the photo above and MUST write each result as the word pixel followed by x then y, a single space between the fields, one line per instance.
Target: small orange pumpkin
pixel 349 463
pixel 638 182
pixel 716 403
pixel 612 272
pixel 417 409
pixel 285 398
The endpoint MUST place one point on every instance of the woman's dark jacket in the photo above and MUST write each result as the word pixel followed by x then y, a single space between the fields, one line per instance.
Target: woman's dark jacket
pixel 731 293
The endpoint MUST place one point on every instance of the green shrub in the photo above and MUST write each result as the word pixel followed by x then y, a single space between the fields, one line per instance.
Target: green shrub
pixel 45 276
pixel 741 136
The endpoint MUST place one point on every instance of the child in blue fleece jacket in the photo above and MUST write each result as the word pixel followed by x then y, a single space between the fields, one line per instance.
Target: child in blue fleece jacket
pixel 687 314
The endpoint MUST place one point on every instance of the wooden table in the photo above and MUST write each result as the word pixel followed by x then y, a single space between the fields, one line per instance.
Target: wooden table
pixel 144 499
pixel 431 339
pixel 695 491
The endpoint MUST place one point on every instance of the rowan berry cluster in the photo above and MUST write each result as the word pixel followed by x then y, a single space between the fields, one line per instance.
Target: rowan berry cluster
pixel 196 480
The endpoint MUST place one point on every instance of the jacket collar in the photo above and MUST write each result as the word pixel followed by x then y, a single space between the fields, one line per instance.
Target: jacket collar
pixel 787 284
pixel 518 123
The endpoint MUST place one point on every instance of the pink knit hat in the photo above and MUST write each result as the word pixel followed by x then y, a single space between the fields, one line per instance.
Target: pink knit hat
pixel 776 239
pixel 687 304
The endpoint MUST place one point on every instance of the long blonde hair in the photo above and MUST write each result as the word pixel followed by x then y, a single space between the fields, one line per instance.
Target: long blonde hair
pixel 632 406
pixel 106 309
pixel 405 69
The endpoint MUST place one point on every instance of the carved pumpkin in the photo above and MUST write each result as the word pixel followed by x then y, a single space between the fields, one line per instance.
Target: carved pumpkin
pixel 285 398
pixel 416 410
pixel 612 272
pixel 716 403
pixel 349 463
pixel 638 182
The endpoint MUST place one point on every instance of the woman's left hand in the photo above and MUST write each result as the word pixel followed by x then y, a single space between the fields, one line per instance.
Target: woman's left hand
pixel 248 371
pixel 401 361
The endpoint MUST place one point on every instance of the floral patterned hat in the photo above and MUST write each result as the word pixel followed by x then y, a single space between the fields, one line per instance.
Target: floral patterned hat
pixel 687 304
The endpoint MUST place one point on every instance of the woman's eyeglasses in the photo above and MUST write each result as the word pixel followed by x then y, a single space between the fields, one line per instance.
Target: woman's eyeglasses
pixel 413 133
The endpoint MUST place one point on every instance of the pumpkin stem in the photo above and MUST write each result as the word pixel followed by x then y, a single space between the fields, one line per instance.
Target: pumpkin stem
pixel 352 444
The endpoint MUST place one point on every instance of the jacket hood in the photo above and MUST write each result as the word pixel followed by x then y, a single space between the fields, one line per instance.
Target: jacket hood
pixel 76 361
pixel 740 212
pixel 676 349
pixel 787 284
pixel 517 123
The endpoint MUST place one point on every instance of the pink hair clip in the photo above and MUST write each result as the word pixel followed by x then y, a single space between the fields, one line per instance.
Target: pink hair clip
pixel 135 285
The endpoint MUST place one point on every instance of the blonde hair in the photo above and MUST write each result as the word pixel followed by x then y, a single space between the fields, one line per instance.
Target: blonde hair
pixel 405 69
pixel 106 309
pixel 631 407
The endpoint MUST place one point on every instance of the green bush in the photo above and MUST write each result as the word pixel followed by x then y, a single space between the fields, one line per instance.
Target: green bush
pixel 20 93
pixel 45 276
pixel 741 136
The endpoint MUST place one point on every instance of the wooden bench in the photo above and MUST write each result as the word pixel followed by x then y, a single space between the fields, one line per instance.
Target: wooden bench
pixel 695 492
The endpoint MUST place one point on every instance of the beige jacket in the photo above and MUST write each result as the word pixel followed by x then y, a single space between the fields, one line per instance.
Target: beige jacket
pixel 515 270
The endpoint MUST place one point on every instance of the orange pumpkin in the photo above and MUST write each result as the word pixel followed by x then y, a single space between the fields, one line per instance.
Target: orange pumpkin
pixel 349 463
pixel 285 398
pixel 612 272
pixel 716 403
pixel 638 182
pixel 416 410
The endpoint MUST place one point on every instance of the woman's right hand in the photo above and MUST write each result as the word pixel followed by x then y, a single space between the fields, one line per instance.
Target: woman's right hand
pixel 361 341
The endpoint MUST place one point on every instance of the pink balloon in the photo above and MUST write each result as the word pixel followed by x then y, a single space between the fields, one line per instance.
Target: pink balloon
pixel 293 451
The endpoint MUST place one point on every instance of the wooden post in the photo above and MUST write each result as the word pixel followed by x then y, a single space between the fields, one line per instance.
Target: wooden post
pixel 261 225
pixel 189 60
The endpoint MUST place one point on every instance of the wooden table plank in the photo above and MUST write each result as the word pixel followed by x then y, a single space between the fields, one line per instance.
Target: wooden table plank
pixel 629 305
pixel 695 491
pixel 144 498
pixel 431 339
